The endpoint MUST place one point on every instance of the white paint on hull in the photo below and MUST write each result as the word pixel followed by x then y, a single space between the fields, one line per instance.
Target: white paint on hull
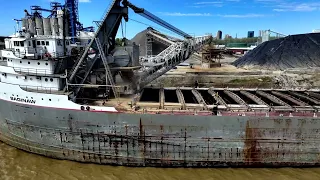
pixel 10 76
pixel 14 93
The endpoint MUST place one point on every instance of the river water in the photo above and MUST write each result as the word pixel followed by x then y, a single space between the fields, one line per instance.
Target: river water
pixel 16 164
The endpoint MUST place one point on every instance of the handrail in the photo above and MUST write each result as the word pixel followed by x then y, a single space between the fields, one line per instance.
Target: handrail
pixel 48 90
pixel 39 89
pixel 33 71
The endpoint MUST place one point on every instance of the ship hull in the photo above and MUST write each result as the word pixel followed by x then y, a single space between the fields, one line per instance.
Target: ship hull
pixel 161 140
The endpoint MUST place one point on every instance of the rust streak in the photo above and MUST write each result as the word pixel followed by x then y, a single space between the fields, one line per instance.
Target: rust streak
pixel 251 149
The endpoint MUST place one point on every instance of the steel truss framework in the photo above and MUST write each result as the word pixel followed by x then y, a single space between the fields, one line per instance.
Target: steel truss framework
pixel 152 67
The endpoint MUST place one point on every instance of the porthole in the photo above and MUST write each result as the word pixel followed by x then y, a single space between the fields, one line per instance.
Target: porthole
pixel 27 97
pixel 31 97
pixel 41 98
pixel 46 64
pixel 38 63
pixel 8 59
pixel 49 99
pixel 46 79
pixel 30 79
pixel 20 61
pixel 28 62
pixel 17 95
pixel 17 77
pixel 51 79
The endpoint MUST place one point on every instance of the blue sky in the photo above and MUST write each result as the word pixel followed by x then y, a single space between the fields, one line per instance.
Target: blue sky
pixel 195 17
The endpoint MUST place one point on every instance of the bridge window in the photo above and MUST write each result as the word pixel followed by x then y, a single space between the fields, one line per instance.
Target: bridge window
pixel 47 43
pixel 29 43
pixel 21 43
pixel 38 43
pixel 4 58
pixel 42 43
pixel 59 42
pixel 16 43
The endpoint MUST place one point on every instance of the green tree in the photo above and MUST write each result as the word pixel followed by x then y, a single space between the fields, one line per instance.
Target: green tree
pixel 118 41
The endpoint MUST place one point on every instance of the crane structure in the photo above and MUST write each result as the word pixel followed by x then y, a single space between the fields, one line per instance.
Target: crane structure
pixel 36 11
pixel 72 7
pixel 90 77
pixel 265 35
pixel 72 10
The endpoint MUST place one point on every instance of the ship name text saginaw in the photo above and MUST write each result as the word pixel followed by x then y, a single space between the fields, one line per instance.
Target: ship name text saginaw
pixel 23 100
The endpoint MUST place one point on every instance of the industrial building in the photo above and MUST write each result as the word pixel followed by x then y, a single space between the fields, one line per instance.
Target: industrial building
pixel 240 48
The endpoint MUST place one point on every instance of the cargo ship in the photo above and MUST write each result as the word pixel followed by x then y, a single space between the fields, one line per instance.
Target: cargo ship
pixel 69 92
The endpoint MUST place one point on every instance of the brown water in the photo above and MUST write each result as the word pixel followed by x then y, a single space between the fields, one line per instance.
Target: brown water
pixel 16 164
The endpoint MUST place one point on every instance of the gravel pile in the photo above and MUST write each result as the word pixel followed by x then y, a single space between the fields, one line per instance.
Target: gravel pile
pixel 296 51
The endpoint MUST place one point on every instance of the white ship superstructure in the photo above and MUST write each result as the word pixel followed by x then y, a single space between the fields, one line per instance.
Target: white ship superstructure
pixel 31 70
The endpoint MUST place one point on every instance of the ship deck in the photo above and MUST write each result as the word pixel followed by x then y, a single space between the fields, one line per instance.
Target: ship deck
pixel 187 99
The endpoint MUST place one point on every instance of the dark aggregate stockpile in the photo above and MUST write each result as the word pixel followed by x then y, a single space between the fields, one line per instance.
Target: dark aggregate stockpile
pixel 296 51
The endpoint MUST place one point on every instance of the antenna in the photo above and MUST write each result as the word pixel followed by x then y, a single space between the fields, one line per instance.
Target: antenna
pixel 17 21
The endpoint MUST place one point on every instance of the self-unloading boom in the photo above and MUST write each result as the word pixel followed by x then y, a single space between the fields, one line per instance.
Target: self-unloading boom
pixel 88 65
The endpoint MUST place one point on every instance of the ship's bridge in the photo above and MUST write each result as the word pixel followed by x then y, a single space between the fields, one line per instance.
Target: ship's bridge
pixel 36 47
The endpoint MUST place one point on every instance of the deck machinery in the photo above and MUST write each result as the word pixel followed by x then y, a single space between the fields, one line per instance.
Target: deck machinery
pixel 101 62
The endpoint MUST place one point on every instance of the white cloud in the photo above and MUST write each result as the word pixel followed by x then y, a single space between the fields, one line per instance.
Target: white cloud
pixel 290 5
pixel 85 1
pixel 218 15
pixel 302 7
pixel 242 15
pixel 208 2
pixel 185 14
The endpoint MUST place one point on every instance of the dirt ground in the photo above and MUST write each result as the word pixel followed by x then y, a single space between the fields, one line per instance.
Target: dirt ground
pixel 230 76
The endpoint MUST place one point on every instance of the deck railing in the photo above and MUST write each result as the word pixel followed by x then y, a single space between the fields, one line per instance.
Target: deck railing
pixel 33 71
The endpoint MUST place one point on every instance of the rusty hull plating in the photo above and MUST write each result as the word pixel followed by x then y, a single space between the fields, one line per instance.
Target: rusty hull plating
pixel 164 140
